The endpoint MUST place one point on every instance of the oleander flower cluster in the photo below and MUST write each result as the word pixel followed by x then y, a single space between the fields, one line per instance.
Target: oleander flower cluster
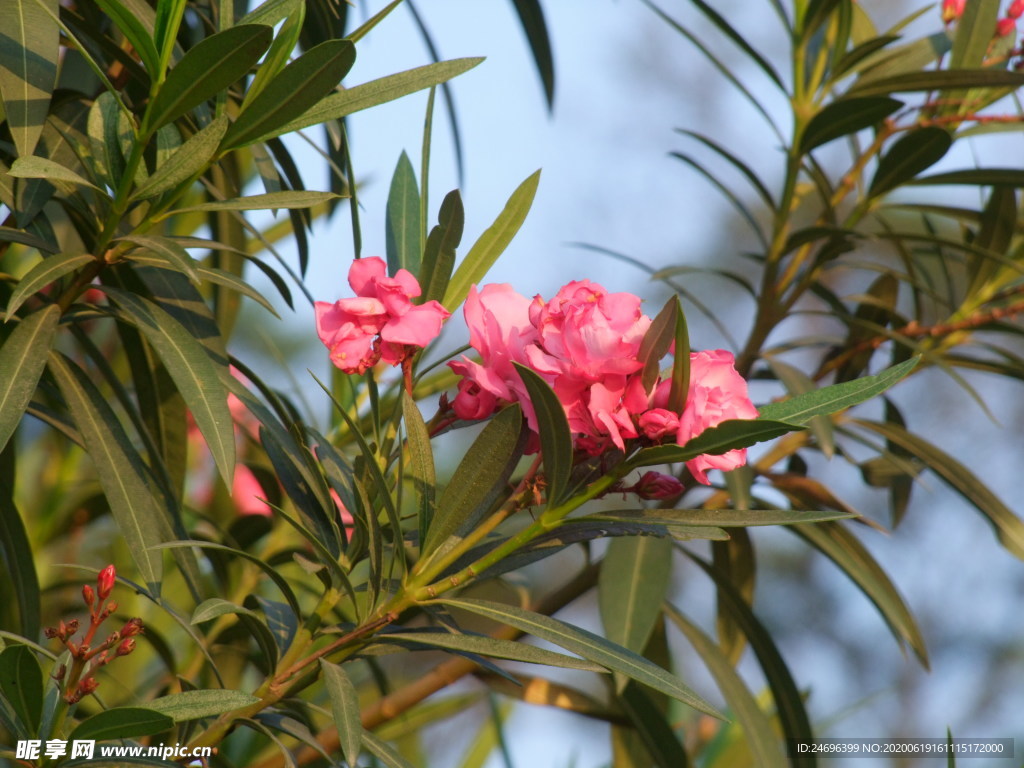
pixel 584 342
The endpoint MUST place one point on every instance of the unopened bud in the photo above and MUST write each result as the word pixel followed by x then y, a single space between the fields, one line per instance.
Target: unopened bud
pixel 51 632
pixel 127 646
pixel 71 628
pixel 1016 9
pixel 654 485
pixel 1006 27
pixel 105 582
pixel 87 686
pixel 952 10
pixel 132 627
pixel 59 672
pixel 88 595
pixel 111 607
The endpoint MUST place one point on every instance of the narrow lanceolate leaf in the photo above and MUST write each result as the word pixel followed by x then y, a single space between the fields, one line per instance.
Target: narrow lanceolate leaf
pixel 478 478
pixel 338 105
pixel 758 731
pixel 589 646
pixel 205 70
pixel 531 16
pixel 635 575
pixel 915 152
pixel 492 243
pixel 555 437
pixel 195 374
pixel 192 705
pixel 28 67
pixel 403 227
pixel 494 648
pixel 845 117
pixel 734 433
pixel 680 389
pixel 214 607
pixel 846 551
pixel 838 397
pixel 121 473
pixel 21 683
pixel 939 80
pixel 976 177
pixel 384 752
pixel 974 30
pixel 345 708
pixel 22 359
pixel 1009 528
pixel 186 162
pixel 41 275
pixel 135 31
pixel 266 202
pixel 121 723
pixel 42 168
pixel 18 562
pixel 797 382
pixel 9 235
pixel 657 342
pixel 169 252
pixel 717 518
pixel 439 251
pixel 292 91
pixel 420 469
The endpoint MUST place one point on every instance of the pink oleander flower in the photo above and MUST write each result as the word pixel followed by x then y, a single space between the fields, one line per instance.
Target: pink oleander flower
pixel 381 322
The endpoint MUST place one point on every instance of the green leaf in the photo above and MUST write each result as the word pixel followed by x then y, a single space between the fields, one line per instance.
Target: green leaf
pixel 420 469
pixel 280 51
pixel 194 705
pixel 788 702
pixel 208 68
pixel 976 177
pixel 403 226
pixel 1009 528
pixel 915 152
pixel 758 731
pixel 384 752
pixel 635 575
pixel 492 647
pixel 42 168
pixel 651 726
pixel 938 80
pixel 196 376
pixel 907 59
pixel 135 32
pixel 265 202
pixel 657 342
pixel 589 646
pixel 974 31
pixel 170 253
pixel 292 91
pixel 719 518
pixel 228 280
pixel 17 557
pixel 28 67
pixel 271 12
pixel 21 682
pixel 531 16
pixel 439 252
pixel 122 475
pixel 797 382
pixel 214 607
pixel 22 358
pixel 480 476
pixel 190 159
pixel 555 437
pixel 733 433
pixel 838 397
pixel 339 105
pixel 679 391
pixel 844 117
pixel 847 552
pixel 121 723
pixel 345 708
pixel 8 235
pixel 492 243
pixel 46 272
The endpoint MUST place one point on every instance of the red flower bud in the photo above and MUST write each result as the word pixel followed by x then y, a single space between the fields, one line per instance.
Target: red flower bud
pixel 105 581
pixel 87 686
pixel 127 646
pixel 1006 27
pixel 1016 9
pixel 952 9
pixel 132 627
pixel 654 485
pixel 88 595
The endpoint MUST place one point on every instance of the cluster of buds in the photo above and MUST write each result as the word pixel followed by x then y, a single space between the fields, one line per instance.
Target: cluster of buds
pixel 86 659
pixel 1008 25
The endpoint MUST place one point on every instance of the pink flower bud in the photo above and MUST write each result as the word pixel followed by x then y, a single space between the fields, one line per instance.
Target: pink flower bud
pixel 132 627
pixel 1016 9
pixel 658 422
pixel 654 485
pixel 105 582
pixel 88 595
pixel 1006 27
pixel 952 10
pixel 127 646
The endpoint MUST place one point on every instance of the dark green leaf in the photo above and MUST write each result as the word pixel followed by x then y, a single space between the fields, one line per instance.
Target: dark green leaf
pixel 420 469
pixel 196 376
pixel 193 705
pixel 214 607
pixel 998 227
pixel 939 80
pixel 136 33
pixel 209 67
pixel 555 437
pixel 531 16
pixel 906 59
pixel 17 557
pixel 479 477
pixel 587 645
pixel 291 92
pixel 345 708
pixel 758 732
pixel 121 723
pixel 838 397
pixel 720 518
pixel 492 243
pixel 271 12
pixel 494 648
pixel 844 117
pixel 8 235
pixel 915 152
pixel 29 50
pixel 168 251
pixel 653 729
pixel 359 97
pixel 846 551
pixel 403 226
pixel 21 683
pixel 439 252
pixel 48 271
pixel 42 168
pixel 976 177
pixel 734 433
pixel 739 40
pixel 22 359
pixel 187 161
pixel 269 201
pixel 679 391
pixel 797 382
pixel 736 163
pixel 657 342
pixel 854 57
pixel 141 519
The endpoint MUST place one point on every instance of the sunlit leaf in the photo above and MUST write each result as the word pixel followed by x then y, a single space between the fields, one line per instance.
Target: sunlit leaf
pixel 188 160
pixel 23 358
pixel 121 723
pixel 403 226
pixel 345 708
pixel 193 705
pixel 495 648
pixel 29 51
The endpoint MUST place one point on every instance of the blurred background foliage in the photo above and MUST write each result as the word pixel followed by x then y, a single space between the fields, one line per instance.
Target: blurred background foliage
pixel 812 275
